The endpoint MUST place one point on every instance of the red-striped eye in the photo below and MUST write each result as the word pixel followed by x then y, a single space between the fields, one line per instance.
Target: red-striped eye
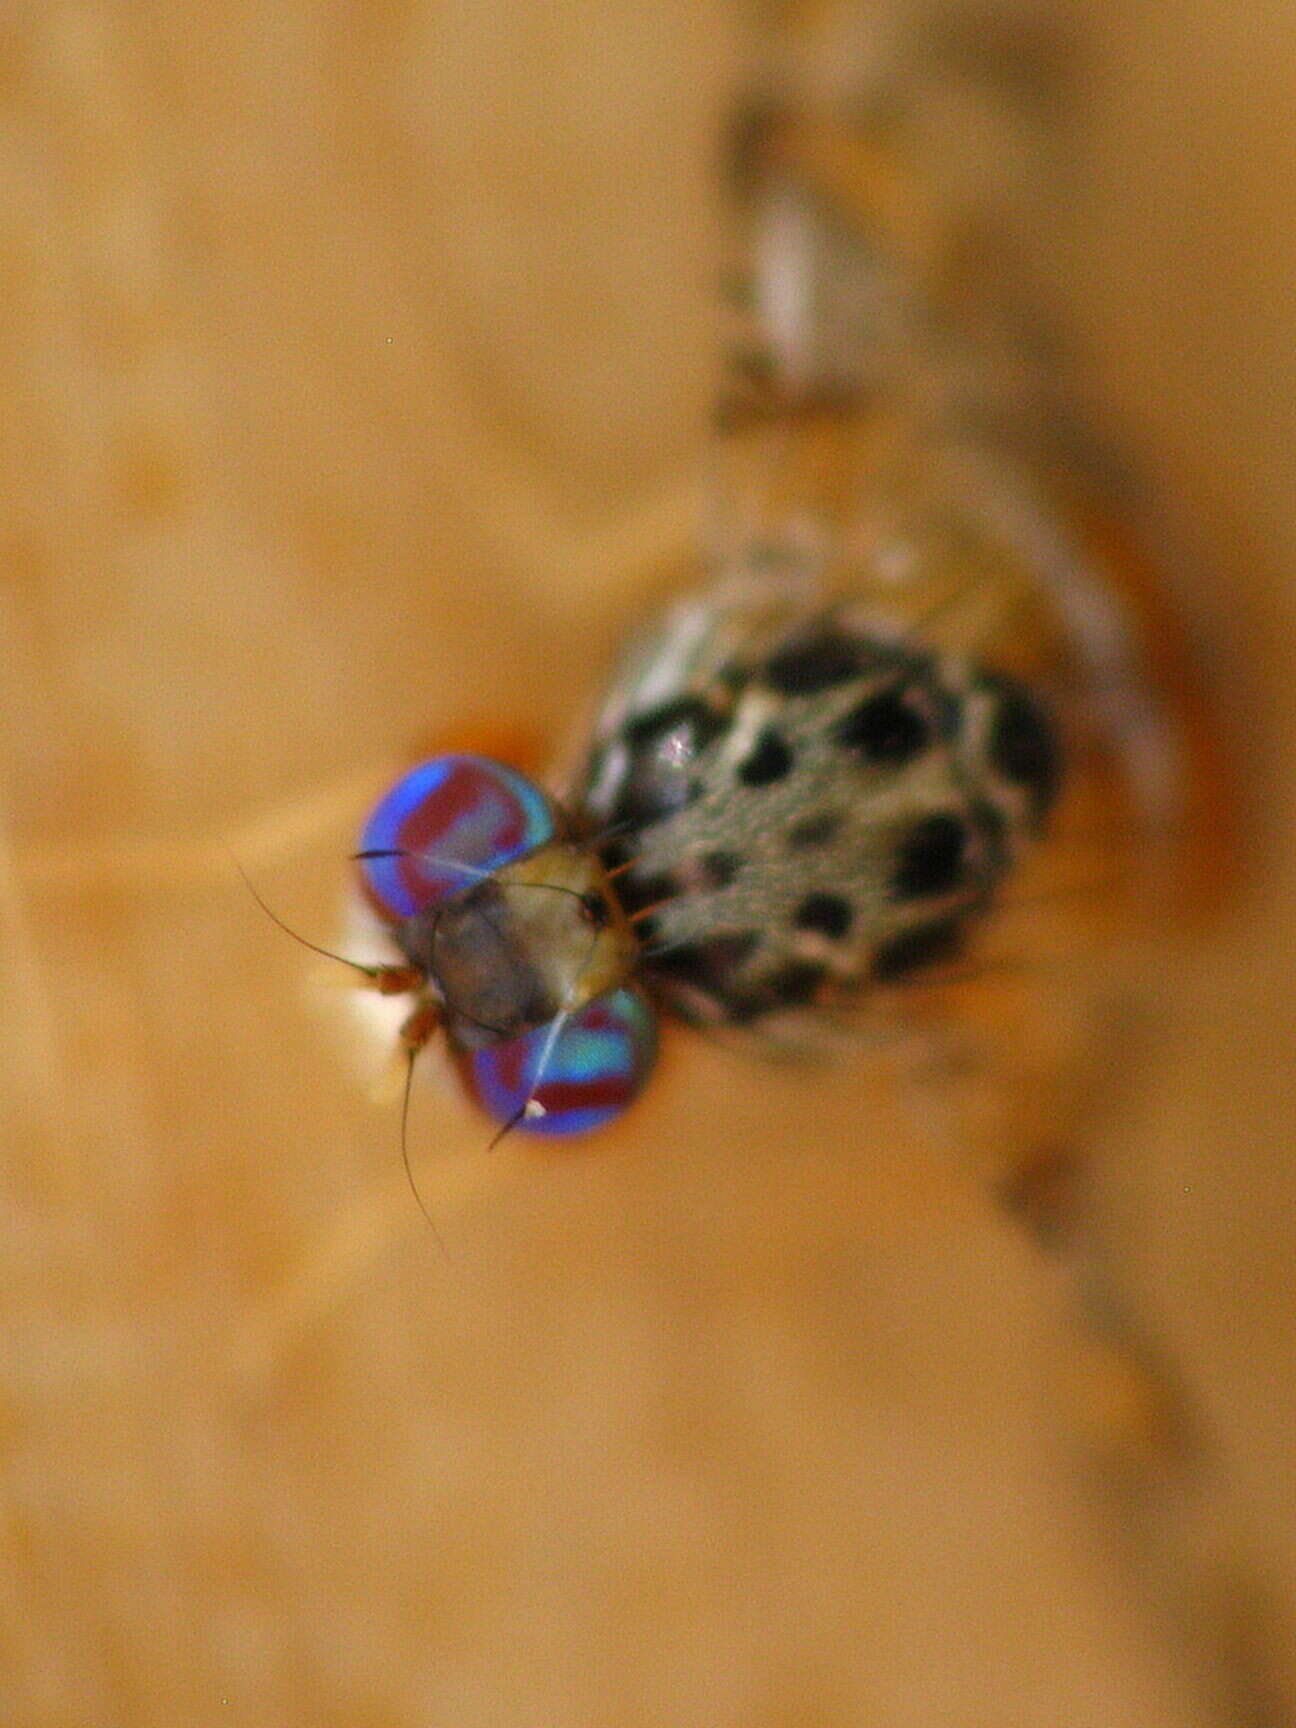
pixel 445 825
pixel 569 1076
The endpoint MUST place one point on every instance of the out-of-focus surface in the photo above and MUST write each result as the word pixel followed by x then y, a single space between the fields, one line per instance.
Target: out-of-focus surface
pixel 356 364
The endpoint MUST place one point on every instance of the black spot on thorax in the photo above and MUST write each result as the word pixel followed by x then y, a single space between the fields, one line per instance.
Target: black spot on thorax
pixel 812 831
pixel 925 945
pixel 815 663
pixel 687 718
pixel 637 893
pixel 791 985
pixel 1023 744
pixel 826 914
pixel 710 965
pixel 886 729
pixel 663 747
pixel 931 858
pixel 770 760
pixel 721 868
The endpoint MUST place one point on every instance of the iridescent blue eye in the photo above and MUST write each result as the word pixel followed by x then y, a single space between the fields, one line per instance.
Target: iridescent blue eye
pixel 598 1063
pixel 444 825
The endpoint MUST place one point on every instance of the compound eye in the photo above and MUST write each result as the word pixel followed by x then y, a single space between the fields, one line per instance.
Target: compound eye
pixel 443 827
pixel 596 1068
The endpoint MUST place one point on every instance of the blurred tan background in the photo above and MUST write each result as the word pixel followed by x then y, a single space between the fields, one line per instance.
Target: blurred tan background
pixel 356 360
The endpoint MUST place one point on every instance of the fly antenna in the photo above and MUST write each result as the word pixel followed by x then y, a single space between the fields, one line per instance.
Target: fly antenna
pixel 410 1054
pixel 469 870
pixel 531 1106
pixel 370 972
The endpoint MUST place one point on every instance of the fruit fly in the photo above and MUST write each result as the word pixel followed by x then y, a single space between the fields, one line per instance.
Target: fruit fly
pixel 914 664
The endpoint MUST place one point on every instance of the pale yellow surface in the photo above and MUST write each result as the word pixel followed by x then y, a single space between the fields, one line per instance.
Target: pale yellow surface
pixel 355 364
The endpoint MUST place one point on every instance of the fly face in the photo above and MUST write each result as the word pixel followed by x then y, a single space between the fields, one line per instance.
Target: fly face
pixel 538 938
pixel 511 942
